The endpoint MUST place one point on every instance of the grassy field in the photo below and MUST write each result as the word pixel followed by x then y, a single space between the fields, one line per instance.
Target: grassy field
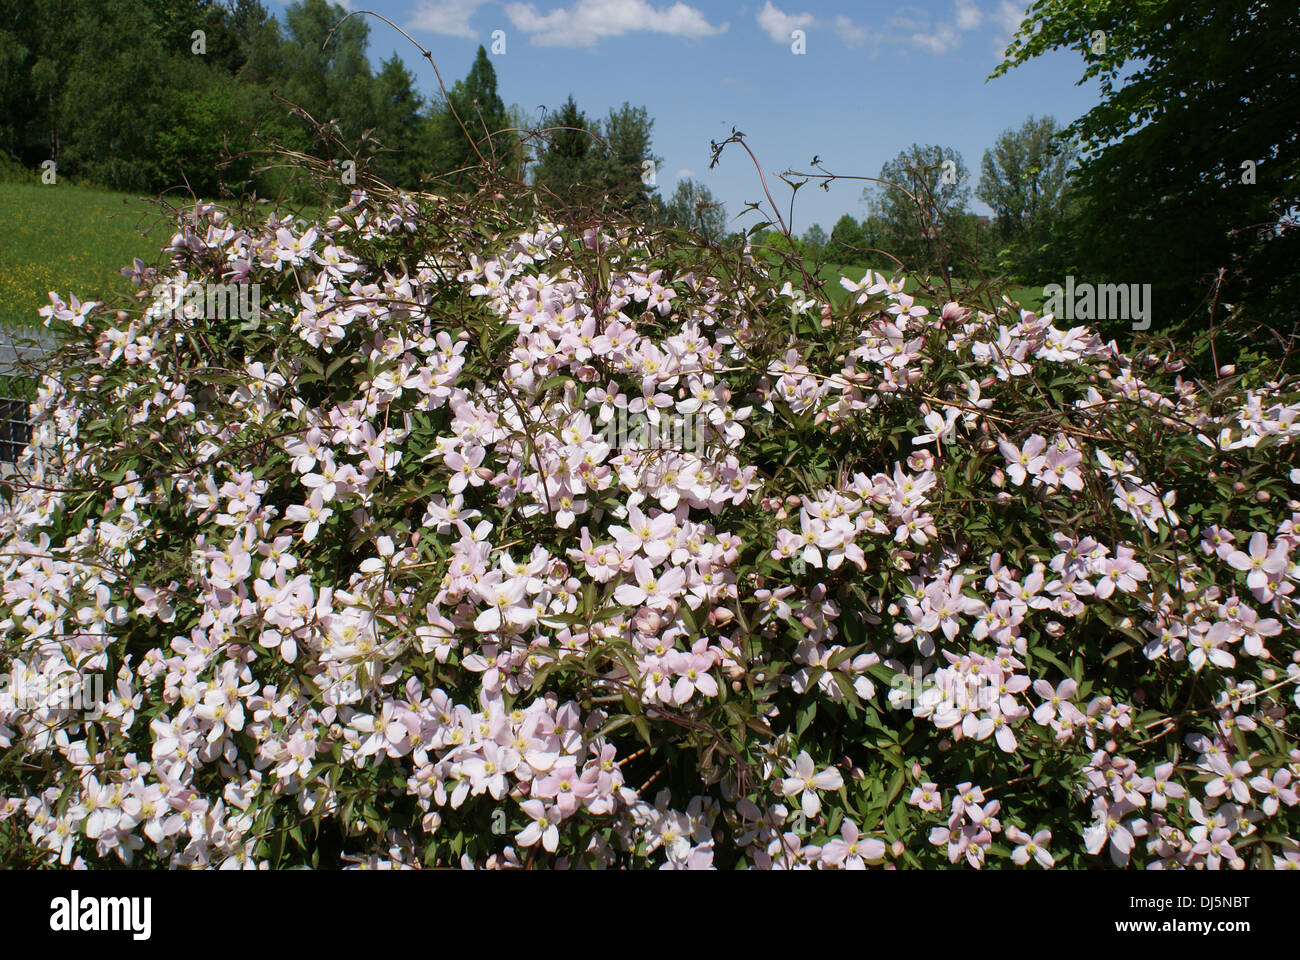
pixel 74 240
pixel 1030 298
pixel 69 239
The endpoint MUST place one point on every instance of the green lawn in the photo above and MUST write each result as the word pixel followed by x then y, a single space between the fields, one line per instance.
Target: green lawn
pixel 74 240
pixel 1031 298
pixel 69 239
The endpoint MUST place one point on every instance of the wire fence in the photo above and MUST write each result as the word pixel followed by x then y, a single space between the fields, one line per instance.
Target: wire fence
pixel 15 429
pixel 18 348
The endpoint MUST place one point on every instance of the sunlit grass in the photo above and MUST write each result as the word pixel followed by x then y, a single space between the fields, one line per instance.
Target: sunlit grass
pixel 69 239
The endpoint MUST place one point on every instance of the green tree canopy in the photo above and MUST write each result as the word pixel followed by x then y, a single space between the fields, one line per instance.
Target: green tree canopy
pixel 563 161
pixel 467 125
pixel 846 241
pixel 815 237
pixel 926 187
pixel 1024 177
pixel 398 123
pixel 1192 158
pixel 693 207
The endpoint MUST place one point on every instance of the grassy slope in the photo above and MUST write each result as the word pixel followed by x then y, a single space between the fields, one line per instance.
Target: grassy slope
pixel 69 239
pixel 74 240
pixel 1030 298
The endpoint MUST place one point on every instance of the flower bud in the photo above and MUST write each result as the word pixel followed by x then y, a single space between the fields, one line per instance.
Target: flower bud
pixel 648 621
pixel 897 848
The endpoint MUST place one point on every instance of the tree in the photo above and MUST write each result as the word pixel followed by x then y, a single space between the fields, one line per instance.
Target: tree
pixel 926 188
pixel 563 162
pixel 258 57
pixel 624 162
pixel 467 125
pixel 1189 162
pixel 815 239
pixel 1024 177
pixel 693 207
pixel 846 240
pixel 608 166
pixel 398 119
pixel 326 70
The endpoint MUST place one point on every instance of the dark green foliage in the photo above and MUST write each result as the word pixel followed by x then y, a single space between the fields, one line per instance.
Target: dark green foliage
pixel 562 162
pixel 120 94
pixel 847 241
pixel 1190 91
pixel 693 207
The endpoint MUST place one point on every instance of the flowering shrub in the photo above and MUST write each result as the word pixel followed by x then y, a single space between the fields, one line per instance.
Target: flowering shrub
pixel 369 581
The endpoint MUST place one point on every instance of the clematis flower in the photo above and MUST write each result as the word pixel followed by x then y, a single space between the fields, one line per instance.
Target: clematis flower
pixel 1260 563
pixel 1035 847
pixel 802 781
pixel 851 849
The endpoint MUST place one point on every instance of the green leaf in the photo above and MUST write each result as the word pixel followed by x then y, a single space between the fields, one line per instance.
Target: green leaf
pixel 1120 648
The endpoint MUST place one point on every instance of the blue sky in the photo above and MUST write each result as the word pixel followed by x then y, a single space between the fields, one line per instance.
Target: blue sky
pixel 877 75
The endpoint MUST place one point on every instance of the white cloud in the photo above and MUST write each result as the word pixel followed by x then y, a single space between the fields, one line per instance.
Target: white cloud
pixel 684 174
pixel 1009 15
pixel 940 39
pixel 779 24
pixel 588 21
pixel 909 18
pixel 850 33
pixel 969 16
pixel 449 18
pixel 349 5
